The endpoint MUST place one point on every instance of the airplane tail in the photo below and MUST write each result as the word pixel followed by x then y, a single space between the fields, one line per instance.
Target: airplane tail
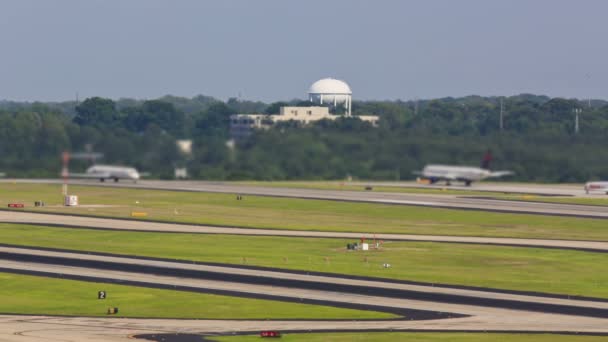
pixel 485 164
pixel 487 160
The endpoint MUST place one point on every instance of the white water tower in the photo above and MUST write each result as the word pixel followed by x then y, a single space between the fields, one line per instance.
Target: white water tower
pixel 333 92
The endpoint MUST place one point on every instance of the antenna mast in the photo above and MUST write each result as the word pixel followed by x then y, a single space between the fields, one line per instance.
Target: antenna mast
pixel 502 114
pixel 577 111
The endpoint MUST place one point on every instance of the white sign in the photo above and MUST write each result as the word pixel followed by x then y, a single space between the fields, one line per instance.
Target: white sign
pixel 71 200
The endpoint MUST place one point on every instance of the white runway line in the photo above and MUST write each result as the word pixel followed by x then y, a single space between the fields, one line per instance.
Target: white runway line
pixel 381 200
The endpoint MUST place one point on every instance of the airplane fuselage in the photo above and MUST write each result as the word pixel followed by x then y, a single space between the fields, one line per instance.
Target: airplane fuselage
pixel 467 174
pixel 104 172
pixel 449 173
pixel 596 187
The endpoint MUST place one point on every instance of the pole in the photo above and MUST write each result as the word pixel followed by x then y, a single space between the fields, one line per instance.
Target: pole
pixel 65 156
pixel 502 113
pixel 577 111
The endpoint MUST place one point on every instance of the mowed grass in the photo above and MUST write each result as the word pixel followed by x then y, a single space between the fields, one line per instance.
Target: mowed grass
pixel 515 268
pixel 23 294
pixel 301 214
pixel 414 336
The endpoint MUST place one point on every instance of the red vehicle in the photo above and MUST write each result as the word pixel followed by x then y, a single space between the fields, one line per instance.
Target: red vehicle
pixel 270 333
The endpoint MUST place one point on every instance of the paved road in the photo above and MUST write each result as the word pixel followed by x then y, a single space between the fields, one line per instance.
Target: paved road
pixel 427 200
pixel 41 328
pixel 481 318
pixel 117 224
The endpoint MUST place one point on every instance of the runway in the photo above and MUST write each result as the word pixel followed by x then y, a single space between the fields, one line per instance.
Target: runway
pixel 482 313
pixel 147 226
pixel 574 190
pixel 415 199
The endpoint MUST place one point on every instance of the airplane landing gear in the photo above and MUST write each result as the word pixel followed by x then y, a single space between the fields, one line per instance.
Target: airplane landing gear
pixel 467 183
pixel 102 180
pixel 116 180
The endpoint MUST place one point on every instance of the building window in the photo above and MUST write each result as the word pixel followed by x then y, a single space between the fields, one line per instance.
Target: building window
pixel 309 112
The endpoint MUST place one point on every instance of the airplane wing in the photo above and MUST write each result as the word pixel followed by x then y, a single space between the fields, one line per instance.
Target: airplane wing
pixel 501 174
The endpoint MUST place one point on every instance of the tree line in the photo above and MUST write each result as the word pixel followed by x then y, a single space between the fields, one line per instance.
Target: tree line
pixel 538 139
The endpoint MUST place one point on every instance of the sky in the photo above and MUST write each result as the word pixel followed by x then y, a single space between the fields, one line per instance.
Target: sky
pixel 273 50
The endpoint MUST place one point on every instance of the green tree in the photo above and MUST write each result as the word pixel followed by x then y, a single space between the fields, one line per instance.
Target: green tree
pixel 96 111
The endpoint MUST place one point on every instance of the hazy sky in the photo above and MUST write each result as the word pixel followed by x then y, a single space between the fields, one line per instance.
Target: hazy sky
pixel 274 49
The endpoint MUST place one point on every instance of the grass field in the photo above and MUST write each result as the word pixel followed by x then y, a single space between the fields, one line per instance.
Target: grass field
pixel 298 214
pixel 416 336
pixel 525 269
pixel 39 295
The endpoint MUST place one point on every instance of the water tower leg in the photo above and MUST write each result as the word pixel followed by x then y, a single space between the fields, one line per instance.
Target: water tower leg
pixel 348 106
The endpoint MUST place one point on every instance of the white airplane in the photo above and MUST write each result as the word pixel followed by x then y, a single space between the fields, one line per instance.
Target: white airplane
pixel 103 172
pixel 466 174
pixel 596 186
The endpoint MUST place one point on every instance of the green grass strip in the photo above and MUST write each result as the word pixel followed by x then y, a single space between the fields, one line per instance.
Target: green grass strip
pixel 23 294
pixel 515 268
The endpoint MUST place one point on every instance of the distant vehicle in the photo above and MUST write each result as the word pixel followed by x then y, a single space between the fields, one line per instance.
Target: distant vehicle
pixel 467 174
pixel 103 172
pixel 596 187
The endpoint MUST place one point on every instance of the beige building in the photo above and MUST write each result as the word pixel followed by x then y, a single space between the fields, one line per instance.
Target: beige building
pixel 242 124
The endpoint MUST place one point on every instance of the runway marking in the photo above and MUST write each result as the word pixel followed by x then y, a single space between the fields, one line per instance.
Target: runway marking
pixel 382 200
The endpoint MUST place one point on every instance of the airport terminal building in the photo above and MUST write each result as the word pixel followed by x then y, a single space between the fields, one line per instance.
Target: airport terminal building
pixel 241 125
